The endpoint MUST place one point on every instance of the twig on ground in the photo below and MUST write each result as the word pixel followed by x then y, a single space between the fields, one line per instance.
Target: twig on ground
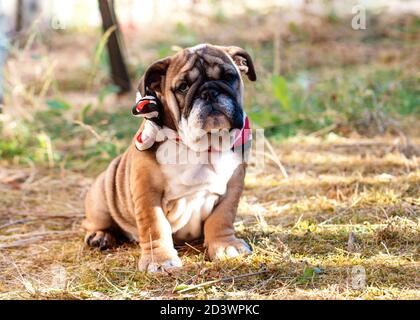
pixel 122 292
pixel 208 283
pixel 20 243
pixel 46 217
pixel 13 223
pixel 32 237
pixel 192 247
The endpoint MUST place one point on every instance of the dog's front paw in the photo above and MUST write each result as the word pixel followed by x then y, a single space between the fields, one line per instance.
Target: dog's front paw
pixel 229 247
pixel 159 260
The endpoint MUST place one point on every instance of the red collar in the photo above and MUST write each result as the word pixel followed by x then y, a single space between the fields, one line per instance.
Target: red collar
pixel 245 135
pixel 242 137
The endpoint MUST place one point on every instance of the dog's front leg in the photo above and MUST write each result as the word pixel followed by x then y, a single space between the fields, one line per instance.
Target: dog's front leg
pixel 219 233
pixel 154 230
pixel 155 237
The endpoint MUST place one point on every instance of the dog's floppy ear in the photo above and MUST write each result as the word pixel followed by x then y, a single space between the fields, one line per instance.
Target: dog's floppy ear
pixel 154 76
pixel 243 60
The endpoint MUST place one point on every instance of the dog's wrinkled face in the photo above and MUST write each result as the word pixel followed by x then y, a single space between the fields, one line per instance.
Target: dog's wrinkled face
pixel 201 88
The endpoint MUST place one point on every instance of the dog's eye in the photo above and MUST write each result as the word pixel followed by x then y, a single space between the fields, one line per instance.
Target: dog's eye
pixel 183 87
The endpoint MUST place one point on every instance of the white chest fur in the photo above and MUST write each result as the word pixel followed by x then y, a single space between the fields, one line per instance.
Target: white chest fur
pixel 195 183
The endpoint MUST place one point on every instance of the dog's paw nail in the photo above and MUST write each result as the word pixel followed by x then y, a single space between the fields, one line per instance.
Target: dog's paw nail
pixel 231 252
pixel 229 249
pixel 220 253
pixel 102 239
pixel 245 249
pixel 89 237
pixel 173 263
pixel 153 267
pixel 103 244
pixel 145 264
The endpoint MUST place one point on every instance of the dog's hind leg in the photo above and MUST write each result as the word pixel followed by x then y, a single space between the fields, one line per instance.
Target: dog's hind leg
pixel 100 227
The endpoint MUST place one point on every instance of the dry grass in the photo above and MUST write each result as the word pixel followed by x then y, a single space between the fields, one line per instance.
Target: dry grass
pixel 347 202
pixel 299 229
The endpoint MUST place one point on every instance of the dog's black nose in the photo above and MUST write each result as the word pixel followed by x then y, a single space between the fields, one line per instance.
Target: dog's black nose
pixel 209 95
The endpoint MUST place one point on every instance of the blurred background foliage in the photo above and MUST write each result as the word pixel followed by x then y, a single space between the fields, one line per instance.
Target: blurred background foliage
pixel 316 75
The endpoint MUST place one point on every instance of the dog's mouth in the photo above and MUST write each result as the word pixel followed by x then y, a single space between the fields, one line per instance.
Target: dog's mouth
pixel 216 121
pixel 211 127
pixel 224 113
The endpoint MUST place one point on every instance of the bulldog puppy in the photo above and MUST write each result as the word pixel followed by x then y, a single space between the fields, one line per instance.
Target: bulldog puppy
pixel 156 197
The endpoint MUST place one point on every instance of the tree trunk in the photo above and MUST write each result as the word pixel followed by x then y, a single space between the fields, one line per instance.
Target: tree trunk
pixel 26 13
pixel 118 67
pixel 19 16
